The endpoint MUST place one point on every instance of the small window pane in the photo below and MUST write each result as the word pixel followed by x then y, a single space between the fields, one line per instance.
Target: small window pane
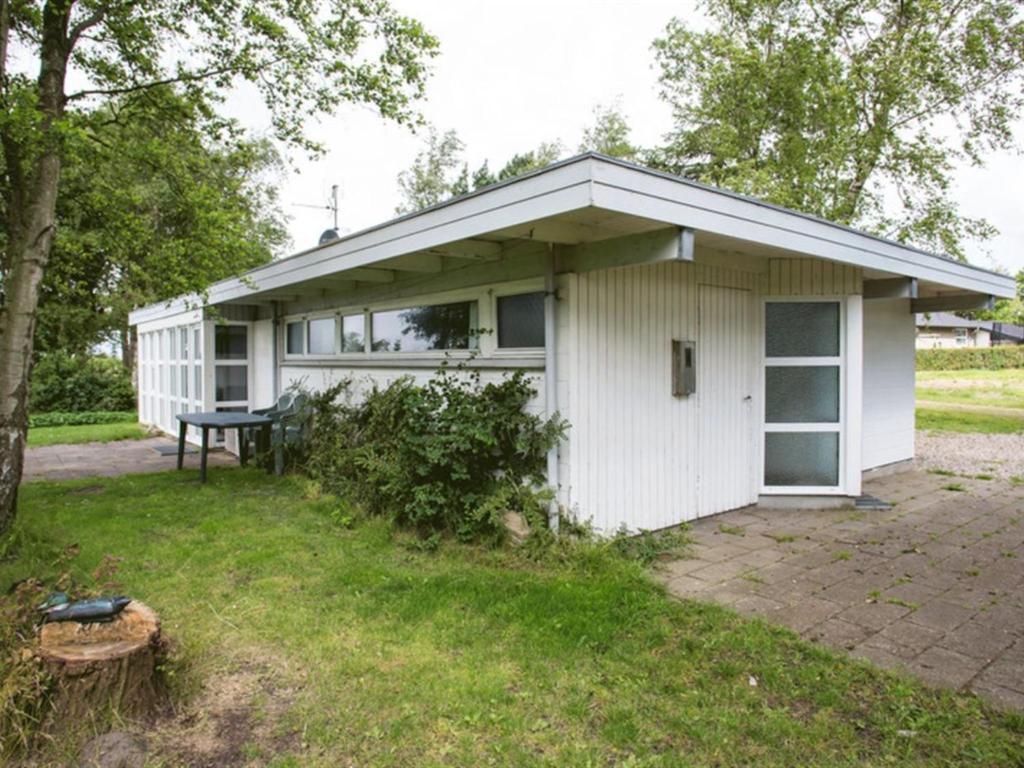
pixel 420 329
pixel 321 336
pixel 197 383
pixel 802 394
pixel 230 342
pixel 173 383
pixel 295 345
pixel 521 320
pixel 232 383
pixel 197 347
pixel 184 343
pixel 184 380
pixel 353 333
pixel 173 339
pixel 802 329
pixel 801 458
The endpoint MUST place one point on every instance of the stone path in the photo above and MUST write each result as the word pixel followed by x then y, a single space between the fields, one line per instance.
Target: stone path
pixel 932 587
pixel 121 457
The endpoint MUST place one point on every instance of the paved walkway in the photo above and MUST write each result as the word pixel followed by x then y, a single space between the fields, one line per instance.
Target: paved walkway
pixel 932 587
pixel 121 457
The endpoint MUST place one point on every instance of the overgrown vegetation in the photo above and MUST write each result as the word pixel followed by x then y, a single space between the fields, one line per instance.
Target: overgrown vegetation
pixel 61 419
pixel 80 383
pixel 389 656
pixel 988 358
pixel 452 455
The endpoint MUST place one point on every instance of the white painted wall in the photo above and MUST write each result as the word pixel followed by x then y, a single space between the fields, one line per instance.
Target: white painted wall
pixel 888 421
pixel 261 373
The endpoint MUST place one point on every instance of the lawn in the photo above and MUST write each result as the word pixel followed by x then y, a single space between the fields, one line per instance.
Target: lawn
pixel 971 401
pixel 85 433
pixel 367 650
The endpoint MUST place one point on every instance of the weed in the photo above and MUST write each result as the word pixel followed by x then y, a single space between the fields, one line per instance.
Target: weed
pixel 943 472
pixel 901 602
pixel 782 538
pixel 957 487
pixel 731 530
pixel 842 554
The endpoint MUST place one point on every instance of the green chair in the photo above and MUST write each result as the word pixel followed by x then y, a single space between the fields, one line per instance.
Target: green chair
pixel 288 429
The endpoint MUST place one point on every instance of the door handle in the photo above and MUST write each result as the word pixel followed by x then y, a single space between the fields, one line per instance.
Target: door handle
pixel 748 398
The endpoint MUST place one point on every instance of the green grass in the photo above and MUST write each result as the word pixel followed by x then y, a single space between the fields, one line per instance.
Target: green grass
pixel 950 420
pixel 1002 389
pixel 86 433
pixel 468 657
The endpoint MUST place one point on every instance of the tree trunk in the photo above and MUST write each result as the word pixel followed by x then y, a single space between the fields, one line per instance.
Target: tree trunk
pixel 129 340
pixel 103 668
pixel 30 229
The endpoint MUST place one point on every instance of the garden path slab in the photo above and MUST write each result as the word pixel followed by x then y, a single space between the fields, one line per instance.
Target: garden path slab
pixel 933 587
pixel 120 457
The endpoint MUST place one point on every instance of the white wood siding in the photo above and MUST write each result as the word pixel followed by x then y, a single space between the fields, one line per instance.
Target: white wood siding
pixel 888 434
pixel 727 360
pixel 811 277
pixel 633 445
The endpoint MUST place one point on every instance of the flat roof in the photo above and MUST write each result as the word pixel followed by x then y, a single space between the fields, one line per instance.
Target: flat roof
pixel 597 183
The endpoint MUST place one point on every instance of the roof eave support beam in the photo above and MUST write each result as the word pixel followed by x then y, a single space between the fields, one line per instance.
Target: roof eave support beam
pixel 893 288
pixel 953 303
pixel 673 244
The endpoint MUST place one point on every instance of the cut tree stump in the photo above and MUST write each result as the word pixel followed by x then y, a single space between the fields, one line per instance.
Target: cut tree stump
pixel 101 668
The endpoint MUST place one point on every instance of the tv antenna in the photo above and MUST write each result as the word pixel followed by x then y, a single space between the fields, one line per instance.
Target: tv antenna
pixel 332 205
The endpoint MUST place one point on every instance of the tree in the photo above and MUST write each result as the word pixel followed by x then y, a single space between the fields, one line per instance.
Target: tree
pixel 437 173
pixel 147 210
pixel 847 109
pixel 609 134
pixel 302 59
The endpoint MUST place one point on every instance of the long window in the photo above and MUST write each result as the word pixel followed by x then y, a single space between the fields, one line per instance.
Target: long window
pixel 803 394
pixel 423 329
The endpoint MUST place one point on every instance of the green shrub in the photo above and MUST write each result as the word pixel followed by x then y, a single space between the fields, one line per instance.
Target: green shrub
pixel 985 358
pixel 449 456
pixel 76 419
pixel 68 383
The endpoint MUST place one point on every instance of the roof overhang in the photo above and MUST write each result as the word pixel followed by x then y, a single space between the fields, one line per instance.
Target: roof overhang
pixel 584 199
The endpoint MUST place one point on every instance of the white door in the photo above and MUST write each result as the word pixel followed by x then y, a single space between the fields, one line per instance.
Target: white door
pixel 727 475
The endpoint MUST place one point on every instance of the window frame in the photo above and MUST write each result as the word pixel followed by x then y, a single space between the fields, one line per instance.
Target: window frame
pixel 495 316
pixel 840 427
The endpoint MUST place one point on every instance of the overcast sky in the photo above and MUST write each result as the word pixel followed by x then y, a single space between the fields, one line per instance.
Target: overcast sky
pixel 513 74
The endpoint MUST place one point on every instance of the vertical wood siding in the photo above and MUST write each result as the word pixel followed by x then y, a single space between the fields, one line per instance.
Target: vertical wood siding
pixel 811 277
pixel 888 434
pixel 634 446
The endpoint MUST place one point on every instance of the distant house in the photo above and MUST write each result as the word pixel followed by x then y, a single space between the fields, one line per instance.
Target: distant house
pixel 944 330
pixel 709 350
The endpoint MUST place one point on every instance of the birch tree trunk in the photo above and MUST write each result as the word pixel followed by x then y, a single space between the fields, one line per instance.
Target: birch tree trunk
pixel 30 229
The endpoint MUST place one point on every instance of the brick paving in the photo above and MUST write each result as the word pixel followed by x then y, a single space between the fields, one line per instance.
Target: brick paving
pixel 932 587
pixel 121 457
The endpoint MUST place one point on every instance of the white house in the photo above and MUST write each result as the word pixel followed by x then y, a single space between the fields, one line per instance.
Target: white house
pixel 709 350
pixel 944 330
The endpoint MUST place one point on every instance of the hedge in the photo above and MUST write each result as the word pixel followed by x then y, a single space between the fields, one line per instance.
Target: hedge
pixel 985 358
pixel 75 383
pixel 57 419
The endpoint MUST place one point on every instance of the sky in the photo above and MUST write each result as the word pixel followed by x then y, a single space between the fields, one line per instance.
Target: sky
pixel 511 75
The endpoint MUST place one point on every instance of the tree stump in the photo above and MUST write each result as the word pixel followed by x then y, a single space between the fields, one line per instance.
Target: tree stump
pixel 101 668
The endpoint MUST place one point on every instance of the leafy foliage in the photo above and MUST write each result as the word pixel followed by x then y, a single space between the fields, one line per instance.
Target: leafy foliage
pixel 839 108
pixel 80 383
pixel 81 418
pixel 439 171
pixel 988 358
pixel 451 455
pixel 148 209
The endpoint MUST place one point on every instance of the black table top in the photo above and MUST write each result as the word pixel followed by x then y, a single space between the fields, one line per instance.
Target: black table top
pixel 223 419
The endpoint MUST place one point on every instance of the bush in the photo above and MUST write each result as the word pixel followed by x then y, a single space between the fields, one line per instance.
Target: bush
pixel 449 456
pixel 62 382
pixel 75 419
pixel 984 358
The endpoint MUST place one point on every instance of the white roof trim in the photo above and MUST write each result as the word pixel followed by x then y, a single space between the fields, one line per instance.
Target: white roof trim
pixel 596 181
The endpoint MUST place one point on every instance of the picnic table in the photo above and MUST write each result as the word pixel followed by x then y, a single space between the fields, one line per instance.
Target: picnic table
pixel 222 420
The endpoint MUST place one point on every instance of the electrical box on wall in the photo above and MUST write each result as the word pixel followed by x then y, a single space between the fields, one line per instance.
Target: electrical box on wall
pixel 684 368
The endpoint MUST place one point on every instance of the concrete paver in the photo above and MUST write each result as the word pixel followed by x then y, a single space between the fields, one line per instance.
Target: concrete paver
pixel 933 587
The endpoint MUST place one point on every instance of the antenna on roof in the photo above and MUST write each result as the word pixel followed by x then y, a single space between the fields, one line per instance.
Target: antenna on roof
pixel 332 206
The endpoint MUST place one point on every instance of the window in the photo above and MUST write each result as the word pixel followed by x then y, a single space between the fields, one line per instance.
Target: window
pixel 422 329
pixel 803 394
pixel 961 337
pixel 521 320
pixel 295 337
pixel 353 333
pixel 230 342
pixel 321 336
pixel 231 383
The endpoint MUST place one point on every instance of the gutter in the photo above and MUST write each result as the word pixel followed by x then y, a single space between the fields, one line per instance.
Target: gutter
pixel 551 376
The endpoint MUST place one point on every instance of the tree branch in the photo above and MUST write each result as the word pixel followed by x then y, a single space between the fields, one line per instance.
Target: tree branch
pixel 135 88
pixel 85 25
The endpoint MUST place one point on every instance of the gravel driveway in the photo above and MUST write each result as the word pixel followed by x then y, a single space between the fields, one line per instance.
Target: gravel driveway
pixel 971 453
